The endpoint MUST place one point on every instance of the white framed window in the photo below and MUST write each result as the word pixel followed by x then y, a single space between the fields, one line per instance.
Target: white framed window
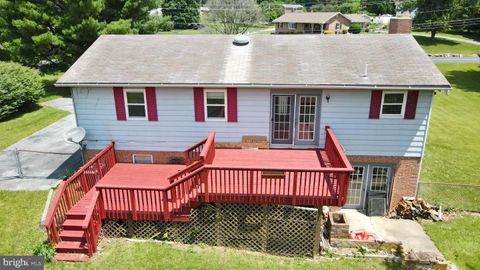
pixel 135 104
pixel 380 176
pixel 142 158
pixel 292 26
pixel 215 105
pixel 393 104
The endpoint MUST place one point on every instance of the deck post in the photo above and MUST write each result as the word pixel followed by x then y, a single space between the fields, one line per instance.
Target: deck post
pixel 318 230
pixel 250 187
pixel 204 178
pixel 294 191
pixel 84 183
pixel 166 211
pixel 132 201
pixel 100 173
pixel 67 198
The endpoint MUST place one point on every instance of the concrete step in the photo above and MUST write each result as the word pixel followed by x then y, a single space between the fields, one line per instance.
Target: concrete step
pixel 71 257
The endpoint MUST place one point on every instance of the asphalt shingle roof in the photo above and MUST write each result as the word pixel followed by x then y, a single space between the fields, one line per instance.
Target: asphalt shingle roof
pixel 305 17
pixel 268 60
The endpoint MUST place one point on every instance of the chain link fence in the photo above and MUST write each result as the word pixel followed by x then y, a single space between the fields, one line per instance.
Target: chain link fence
pixel 22 163
pixel 461 196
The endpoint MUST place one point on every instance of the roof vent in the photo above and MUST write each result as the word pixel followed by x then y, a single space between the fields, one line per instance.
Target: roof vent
pixel 241 40
pixel 365 74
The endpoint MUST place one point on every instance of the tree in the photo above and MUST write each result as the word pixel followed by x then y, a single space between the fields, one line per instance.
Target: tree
pixel 431 15
pixel 380 7
pixel 53 34
pixel 184 13
pixel 19 86
pixel 271 10
pixel 233 16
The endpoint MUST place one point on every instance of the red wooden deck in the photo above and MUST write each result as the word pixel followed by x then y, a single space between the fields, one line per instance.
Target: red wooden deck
pixel 106 189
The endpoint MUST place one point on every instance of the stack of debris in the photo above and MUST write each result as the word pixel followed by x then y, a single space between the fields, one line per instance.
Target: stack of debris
pixel 411 208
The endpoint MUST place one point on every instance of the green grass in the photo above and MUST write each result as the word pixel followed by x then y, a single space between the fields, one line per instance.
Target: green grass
pixel 462 35
pixel 20 213
pixel 52 92
pixel 23 124
pixel 122 254
pixel 440 46
pixel 453 147
pixel 458 240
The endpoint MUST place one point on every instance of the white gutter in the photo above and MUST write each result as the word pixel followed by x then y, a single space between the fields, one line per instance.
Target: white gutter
pixel 268 86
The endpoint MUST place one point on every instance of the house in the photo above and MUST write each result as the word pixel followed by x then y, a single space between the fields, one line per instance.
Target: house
pixel 287 8
pixel 363 19
pixel 288 120
pixel 383 19
pixel 311 22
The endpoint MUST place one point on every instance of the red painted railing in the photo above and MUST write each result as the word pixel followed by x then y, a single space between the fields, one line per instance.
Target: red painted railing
pixel 151 203
pixel 338 158
pixel 74 189
pixel 203 150
pixel 192 154
pixel 189 169
pixel 92 224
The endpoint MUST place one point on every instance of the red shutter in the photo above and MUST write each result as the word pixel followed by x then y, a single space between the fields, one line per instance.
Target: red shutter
pixel 151 103
pixel 232 105
pixel 198 102
pixel 411 107
pixel 119 103
pixel 375 104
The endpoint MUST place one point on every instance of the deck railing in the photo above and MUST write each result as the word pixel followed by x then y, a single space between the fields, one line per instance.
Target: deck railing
pixel 92 224
pixel 74 189
pixel 203 150
pixel 192 154
pixel 338 158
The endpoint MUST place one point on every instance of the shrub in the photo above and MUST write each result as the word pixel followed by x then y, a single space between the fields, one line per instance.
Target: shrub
pixel 344 31
pixel 355 28
pixel 155 24
pixel 19 86
pixel 44 249
pixel 327 32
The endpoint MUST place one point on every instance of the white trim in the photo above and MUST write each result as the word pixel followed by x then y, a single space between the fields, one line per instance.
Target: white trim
pixel 404 102
pixel 135 90
pixel 429 117
pixel 145 155
pixel 205 105
pixel 314 117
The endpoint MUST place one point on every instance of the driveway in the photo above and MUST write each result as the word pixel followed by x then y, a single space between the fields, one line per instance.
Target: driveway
pixel 450 38
pixel 474 59
pixel 44 156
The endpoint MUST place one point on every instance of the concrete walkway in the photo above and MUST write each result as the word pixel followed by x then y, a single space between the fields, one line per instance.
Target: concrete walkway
pixel 44 156
pixel 474 59
pixel 409 232
pixel 450 38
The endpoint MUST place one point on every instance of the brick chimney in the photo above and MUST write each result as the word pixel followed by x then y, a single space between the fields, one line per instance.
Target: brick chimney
pixel 400 25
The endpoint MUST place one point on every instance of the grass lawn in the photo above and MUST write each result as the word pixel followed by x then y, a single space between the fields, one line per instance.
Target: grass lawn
pixel 122 254
pixel 440 45
pixel 453 147
pixel 458 240
pixel 462 35
pixel 20 213
pixel 23 124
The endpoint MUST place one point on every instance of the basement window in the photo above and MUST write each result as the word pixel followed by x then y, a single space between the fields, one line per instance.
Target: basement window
pixel 142 159
pixel 393 104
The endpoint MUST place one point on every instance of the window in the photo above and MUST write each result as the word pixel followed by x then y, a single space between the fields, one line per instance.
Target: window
pixel 215 103
pixel 292 26
pixel 135 103
pixel 355 187
pixel 142 159
pixel 393 104
pixel 338 26
pixel 380 177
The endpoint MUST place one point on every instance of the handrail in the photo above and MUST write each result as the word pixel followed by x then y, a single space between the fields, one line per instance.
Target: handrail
pixel 337 148
pixel 208 151
pixel 90 210
pixel 74 189
pixel 325 169
pixel 193 166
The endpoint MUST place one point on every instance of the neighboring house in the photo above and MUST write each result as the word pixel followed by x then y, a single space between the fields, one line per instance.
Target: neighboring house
pixel 362 19
pixel 379 119
pixel 287 8
pixel 383 19
pixel 155 12
pixel 311 22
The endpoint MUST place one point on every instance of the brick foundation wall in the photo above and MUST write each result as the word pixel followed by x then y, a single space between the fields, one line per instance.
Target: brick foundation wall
pixel 125 156
pixel 404 181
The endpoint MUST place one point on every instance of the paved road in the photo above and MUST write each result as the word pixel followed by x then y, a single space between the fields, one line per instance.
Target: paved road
pixel 455 59
pixel 41 170
pixel 450 38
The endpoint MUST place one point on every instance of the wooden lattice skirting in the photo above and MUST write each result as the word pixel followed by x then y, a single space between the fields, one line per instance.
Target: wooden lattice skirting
pixel 275 229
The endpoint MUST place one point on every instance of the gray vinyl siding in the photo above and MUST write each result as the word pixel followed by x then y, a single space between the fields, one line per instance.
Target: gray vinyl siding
pixel 175 129
pixel 347 113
